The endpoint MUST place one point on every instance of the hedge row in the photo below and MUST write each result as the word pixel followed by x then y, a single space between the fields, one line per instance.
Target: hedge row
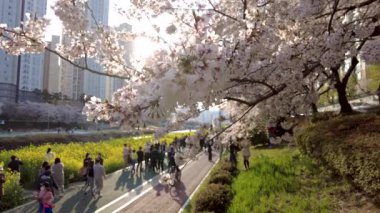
pixel 217 194
pixel 350 145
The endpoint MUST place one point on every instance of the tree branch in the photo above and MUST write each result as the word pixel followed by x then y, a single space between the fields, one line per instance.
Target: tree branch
pixel 252 81
pixel 238 100
pixel 335 6
pixel 354 62
pixel 221 13
pixel 33 40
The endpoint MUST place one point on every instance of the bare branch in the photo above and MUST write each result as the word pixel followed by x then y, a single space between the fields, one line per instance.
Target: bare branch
pixel 238 100
pixel 222 13
pixel 335 6
pixel 253 81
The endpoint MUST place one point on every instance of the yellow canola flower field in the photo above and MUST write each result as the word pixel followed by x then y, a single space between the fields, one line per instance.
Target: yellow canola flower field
pixel 72 156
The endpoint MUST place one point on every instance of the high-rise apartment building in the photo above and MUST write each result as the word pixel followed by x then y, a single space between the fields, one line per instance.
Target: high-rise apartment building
pixel 94 84
pixel 31 65
pixel 52 70
pixel 71 78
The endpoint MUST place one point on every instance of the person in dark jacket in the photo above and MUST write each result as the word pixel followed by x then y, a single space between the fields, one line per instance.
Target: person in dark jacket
pixel 47 178
pixel 140 158
pixel 15 163
pixel 209 149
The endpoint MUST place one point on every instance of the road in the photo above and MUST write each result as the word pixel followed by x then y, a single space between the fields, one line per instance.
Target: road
pixel 144 193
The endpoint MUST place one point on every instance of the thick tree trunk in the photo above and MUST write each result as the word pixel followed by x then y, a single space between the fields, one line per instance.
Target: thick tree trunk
pixel 345 106
pixel 314 108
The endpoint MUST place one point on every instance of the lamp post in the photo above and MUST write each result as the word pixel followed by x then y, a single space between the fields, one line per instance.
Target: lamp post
pixel 19 57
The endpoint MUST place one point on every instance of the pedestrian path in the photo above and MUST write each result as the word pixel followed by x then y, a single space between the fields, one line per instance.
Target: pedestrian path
pixel 74 200
pixel 162 198
pixel 121 188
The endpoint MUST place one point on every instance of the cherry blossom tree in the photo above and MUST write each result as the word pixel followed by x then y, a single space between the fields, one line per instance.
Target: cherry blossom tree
pixel 268 57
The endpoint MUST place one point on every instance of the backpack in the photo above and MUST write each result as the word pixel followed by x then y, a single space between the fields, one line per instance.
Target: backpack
pixel 83 171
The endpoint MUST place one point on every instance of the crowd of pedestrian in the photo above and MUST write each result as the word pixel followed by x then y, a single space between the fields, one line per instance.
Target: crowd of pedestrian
pixel 149 158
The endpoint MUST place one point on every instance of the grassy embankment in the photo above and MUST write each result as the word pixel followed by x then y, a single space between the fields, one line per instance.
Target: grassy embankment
pixel 342 173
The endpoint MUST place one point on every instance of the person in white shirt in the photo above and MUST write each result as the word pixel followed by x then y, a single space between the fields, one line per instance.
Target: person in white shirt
pixel 99 176
pixel 246 154
pixel 49 155
pixel 58 175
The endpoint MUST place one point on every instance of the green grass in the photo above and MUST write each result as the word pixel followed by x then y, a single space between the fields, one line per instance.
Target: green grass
pixel 281 180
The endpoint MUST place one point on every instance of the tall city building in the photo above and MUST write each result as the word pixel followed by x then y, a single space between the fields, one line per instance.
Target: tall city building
pixel 30 66
pixel 52 69
pixel 94 84
pixel 71 78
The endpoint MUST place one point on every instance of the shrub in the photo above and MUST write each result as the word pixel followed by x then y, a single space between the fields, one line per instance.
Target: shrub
pixel 348 145
pixel 258 137
pixel 221 177
pixel 215 198
pixel 227 166
pixel 13 191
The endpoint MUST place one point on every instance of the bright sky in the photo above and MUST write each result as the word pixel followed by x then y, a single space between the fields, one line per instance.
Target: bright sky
pixel 115 19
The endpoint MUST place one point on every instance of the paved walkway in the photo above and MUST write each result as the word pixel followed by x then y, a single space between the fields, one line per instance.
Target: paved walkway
pixel 143 193
pixel 162 198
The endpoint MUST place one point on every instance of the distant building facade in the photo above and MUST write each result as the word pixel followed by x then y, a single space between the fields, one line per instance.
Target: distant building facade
pixel 29 66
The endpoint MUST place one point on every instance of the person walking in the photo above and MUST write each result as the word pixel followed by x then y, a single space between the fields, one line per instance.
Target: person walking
pixel 233 150
pixel 47 178
pixel 45 199
pixel 132 161
pixel 14 164
pixel 246 155
pixel 87 159
pixel 209 149
pixel 126 154
pixel 99 176
pixel 100 158
pixel 2 181
pixel 140 158
pixel 58 175
pixel 42 169
pixel 161 157
pixel 147 155
pixel 49 155
pixel 90 178
pixel 154 158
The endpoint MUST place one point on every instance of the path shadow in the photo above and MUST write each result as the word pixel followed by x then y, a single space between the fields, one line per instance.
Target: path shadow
pixel 159 188
pixel 179 195
pixel 78 202
pixel 122 181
